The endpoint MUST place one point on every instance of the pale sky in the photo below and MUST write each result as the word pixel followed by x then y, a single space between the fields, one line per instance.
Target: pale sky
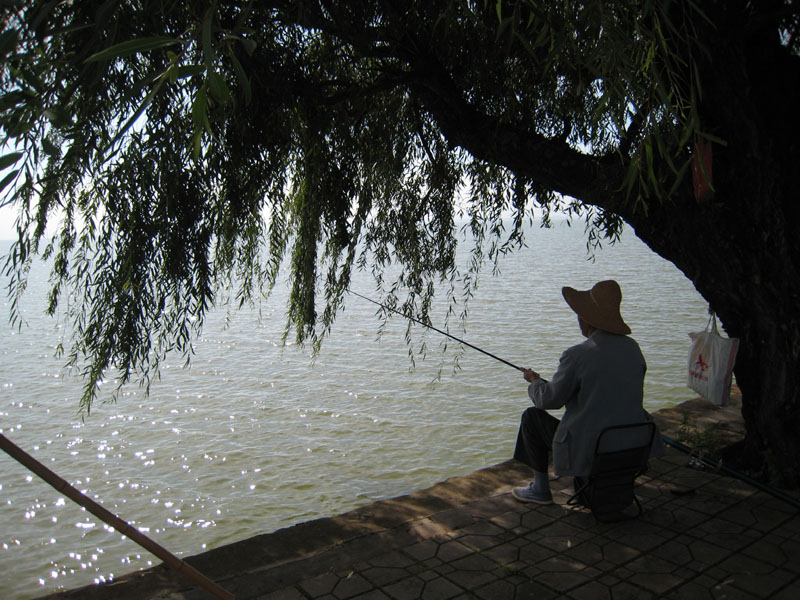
pixel 8 216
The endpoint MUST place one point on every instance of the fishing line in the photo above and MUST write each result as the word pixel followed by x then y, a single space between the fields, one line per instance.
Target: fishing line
pixel 405 316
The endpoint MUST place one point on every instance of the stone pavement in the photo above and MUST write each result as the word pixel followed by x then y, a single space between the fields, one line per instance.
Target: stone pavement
pixel 702 535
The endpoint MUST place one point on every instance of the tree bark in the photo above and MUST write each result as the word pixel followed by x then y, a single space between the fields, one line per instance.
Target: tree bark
pixel 740 249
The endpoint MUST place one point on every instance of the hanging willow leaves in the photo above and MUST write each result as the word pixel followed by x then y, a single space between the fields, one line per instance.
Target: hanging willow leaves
pixel 185 152
pixel 129 47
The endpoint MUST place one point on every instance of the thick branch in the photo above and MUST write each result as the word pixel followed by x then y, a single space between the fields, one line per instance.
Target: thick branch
pixel 552 162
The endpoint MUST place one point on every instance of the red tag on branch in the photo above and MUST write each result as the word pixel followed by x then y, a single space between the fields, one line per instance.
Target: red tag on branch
pixel 701 171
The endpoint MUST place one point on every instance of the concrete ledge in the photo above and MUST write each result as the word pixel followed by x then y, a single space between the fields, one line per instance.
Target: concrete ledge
pixel 330 541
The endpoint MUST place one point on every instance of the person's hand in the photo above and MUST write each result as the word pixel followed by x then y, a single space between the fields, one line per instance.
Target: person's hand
pixel 530 375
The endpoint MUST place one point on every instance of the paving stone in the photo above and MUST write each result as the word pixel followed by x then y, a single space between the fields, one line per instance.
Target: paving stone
pixel 453 550
pixel 791 527
pixel 651 564
pixel 588 553
pixel 727 542
pixel 763 585
pixel 406 589
pixel 662 517
pixel 728 591
pixel 769 550
pixel 285 594
pixel 642 541
pixel 533 553
pixel 740 514
pixel 741 563
pixel 592 573
pixel 391 559
pixel 372 595
pixel 608 580
pixel 684 539
pixel 717 575
pixel 468 579
pixel 453 518
pixel 721 525
pixel 792 549
pixel 422 551
pixel 660 583
pixel 440 589
pixel 676 552
pixel 706 580
pixel 585 536
pixel 381 576
pixel 487 507
pixel 627 591
pixel 582 519
pixel 690 591
pixel 515 577
pixel 506 536
pixel 483 528
pixel 507 520
pixel 533 520
pixel 351 585
pixel 707 503
pixel 562 582
pixel 768 519
pixel 790 592
pixel 532 590
pixel 558 543
pixel 705 554
pixel 622 572
pixel 322 584
pixel 618 553
pixel 427 575
pixel 473 562
pixel 687 517
pixel 593 590
pixel 497 590
pixel 425 529
pixel 559 528
pixel 685 573
pixel 434 564
pixel 479 542
pixel 503 554
pixel 561 563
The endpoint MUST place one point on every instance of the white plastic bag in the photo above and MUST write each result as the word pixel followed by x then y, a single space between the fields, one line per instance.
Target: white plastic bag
pixel 711 360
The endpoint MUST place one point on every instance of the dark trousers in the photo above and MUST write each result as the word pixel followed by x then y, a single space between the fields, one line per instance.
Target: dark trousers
pixel 535 438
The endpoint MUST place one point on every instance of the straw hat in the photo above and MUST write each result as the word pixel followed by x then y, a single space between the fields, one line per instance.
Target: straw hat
pixel 599 307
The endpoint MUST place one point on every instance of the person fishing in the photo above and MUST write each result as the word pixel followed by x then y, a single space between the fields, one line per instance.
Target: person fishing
pixel 599 382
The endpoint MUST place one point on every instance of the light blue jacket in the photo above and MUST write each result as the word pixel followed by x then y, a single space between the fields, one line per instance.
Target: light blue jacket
pixel 600 383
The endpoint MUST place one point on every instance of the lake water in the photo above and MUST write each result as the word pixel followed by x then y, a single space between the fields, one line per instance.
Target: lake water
pixel 254 437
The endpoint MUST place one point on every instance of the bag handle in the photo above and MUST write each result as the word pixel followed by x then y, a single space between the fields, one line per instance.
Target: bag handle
pixel 712 321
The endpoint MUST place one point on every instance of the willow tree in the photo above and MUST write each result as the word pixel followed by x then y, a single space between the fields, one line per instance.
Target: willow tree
pixel 191 148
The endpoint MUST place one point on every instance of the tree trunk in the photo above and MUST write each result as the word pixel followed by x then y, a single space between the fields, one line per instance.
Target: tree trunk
pixel 740 249
pixel 759 306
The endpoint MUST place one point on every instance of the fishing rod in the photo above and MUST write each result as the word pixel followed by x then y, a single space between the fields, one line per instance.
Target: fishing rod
pixel 437 330
pixel 711 463
pixel 667 440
